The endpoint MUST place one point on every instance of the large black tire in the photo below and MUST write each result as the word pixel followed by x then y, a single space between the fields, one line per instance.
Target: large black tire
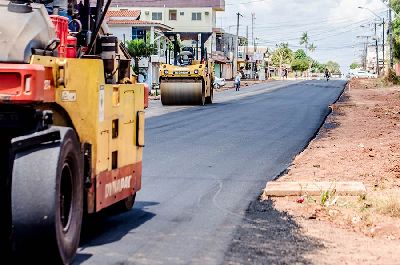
pixel 209 100
pixel 47 200
pixel 5 198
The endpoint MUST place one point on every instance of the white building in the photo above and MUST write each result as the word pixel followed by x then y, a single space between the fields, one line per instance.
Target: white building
pixel 371 58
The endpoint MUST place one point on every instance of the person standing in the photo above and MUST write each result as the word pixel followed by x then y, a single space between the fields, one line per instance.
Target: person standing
pixel 237 81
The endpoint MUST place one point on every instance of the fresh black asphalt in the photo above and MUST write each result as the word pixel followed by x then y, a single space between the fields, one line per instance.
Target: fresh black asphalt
pixel 203 167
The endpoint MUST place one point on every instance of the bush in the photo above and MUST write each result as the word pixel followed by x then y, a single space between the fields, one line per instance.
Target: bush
pixel 392 78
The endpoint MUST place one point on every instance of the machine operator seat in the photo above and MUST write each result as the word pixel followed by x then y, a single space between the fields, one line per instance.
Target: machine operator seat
pixel 185 58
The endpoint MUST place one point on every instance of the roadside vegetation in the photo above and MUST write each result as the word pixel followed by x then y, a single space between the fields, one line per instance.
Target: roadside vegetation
pixel 300 61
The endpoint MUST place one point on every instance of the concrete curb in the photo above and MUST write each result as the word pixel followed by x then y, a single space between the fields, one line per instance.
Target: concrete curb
pixel 281 189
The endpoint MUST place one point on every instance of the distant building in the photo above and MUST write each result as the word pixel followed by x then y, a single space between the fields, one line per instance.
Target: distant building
pixel 371 58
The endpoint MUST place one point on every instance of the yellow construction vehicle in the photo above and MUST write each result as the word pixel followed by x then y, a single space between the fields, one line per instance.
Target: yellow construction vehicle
pixel 71 127
pixel 190 80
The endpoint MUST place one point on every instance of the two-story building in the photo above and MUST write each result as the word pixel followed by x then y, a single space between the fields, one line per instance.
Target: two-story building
pixel 182 16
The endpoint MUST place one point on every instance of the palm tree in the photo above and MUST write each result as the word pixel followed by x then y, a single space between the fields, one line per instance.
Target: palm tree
pixel 311 48
pixel 304 39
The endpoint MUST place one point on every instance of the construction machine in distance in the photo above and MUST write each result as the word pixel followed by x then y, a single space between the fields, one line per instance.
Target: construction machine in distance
pixel 190 80
pixel 71 127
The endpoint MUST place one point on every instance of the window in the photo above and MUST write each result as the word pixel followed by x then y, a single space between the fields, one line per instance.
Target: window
pixel 156 16
pixel 138 34
pixel 182 13
pixel 172 15
pixel 196 16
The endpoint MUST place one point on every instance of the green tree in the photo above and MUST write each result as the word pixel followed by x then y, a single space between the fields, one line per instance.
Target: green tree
pixel 395 5
pixel 140 49
pixel 282 55
pixel 311 48
pixel 354 65
pixel 318 67
pixel 333 67
pixel 300 54
pixel 299 65
pixel 300 61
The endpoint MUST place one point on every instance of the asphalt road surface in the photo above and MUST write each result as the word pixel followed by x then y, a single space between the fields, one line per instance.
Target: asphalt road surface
pixel 203 166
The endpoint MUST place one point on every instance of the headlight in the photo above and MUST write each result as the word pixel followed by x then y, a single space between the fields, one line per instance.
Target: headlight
pixel 165 72
pixel 28 84
pixel 196 71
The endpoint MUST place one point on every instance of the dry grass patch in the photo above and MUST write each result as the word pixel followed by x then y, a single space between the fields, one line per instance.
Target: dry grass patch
pixel 387 203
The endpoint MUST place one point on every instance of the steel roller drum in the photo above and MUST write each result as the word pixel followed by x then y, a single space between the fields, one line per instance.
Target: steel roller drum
pixel 181 92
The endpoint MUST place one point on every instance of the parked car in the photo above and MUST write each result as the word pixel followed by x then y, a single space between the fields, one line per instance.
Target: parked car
pixel 362 74
pixel 219 82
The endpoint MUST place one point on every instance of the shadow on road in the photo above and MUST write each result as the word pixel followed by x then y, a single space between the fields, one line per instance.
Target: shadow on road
pixel 107 227
pixel 268 236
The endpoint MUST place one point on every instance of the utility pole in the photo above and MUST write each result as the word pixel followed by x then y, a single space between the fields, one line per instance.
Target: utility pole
pixel 383 45
pixel 235 54
pixel 377 51
pixel 364 59
pixel 247 40
pixel 253 65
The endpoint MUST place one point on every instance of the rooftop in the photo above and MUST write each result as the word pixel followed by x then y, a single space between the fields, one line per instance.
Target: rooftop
pixel 123 13
pixel 218 5
pixel 139 24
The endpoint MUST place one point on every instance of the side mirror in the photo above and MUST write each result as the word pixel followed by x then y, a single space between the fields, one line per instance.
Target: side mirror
pixel 52 44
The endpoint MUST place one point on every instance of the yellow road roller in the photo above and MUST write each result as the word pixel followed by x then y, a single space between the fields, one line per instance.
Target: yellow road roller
pixel 189 81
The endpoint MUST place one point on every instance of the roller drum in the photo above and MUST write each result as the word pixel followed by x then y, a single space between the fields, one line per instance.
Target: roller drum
pixel 182 92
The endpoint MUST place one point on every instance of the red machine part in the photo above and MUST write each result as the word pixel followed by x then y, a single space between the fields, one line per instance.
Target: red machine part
pixel 71 49
pixel 23 83
pixel 118 184
pixel 61 24
pixel 146 95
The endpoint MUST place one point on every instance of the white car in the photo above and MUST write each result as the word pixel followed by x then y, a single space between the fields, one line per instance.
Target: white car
pixel 363 74
pixel 219 82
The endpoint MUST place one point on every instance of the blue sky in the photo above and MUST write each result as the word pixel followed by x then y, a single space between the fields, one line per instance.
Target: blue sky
pixel 332 25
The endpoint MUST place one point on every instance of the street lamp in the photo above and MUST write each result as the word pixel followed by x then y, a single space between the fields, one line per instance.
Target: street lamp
pixel 362 7
pixel 376 40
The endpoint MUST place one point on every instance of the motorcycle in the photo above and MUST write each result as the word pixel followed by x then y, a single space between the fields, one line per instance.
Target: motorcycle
pixel 327 77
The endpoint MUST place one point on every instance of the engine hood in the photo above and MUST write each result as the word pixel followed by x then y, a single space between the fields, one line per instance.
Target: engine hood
pixel 20 32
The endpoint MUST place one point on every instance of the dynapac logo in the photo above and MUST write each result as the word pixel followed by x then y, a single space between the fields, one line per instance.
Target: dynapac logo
pixel 117 186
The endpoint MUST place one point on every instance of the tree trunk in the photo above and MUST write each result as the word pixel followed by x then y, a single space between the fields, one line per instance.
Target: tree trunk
pixel 136 67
